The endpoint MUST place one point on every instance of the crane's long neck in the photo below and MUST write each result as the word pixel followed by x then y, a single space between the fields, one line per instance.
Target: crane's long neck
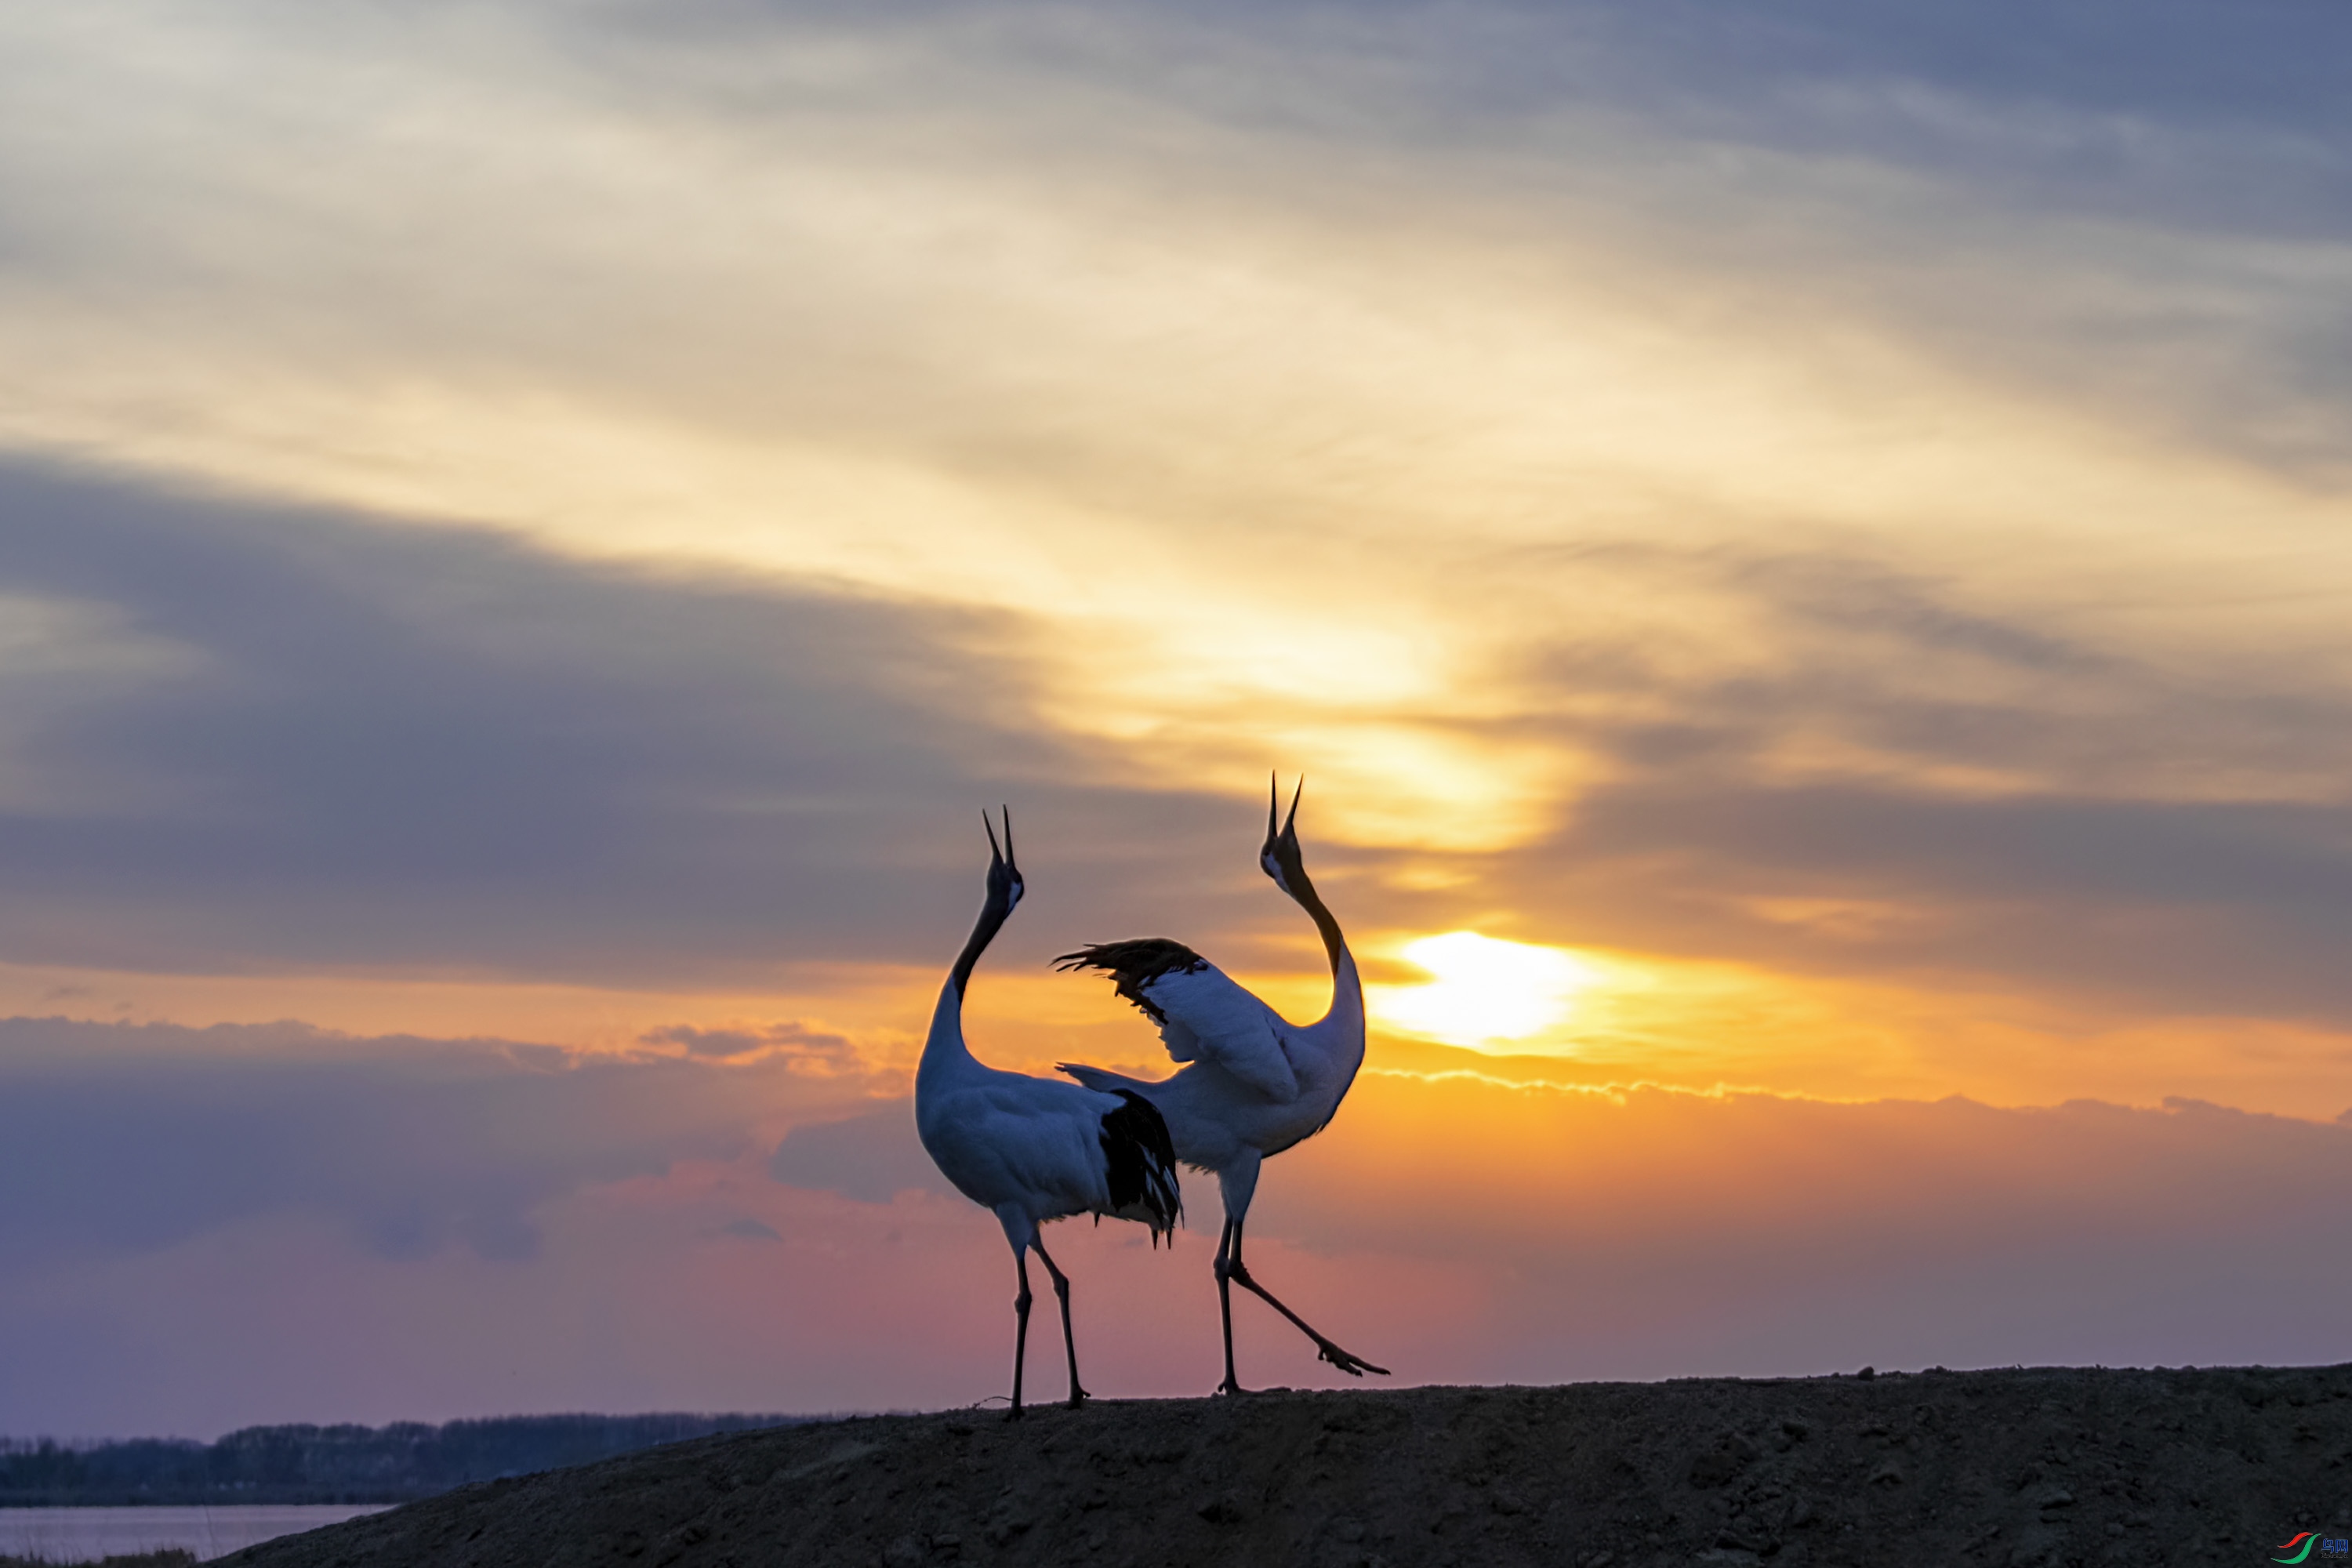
pixel 943 1050
pixel 1347 986
pixel 983 932
pixel 1335 946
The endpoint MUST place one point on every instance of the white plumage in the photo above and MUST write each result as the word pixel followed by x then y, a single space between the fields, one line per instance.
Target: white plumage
pixel 1253 1084
pixel 1031 1150
pixel 1206 1016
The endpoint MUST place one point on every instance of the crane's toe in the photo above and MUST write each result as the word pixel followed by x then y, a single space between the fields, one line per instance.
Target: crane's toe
pixel 1354 1366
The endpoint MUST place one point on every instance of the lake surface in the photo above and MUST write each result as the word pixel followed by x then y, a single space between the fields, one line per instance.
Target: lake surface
pixel 87 1535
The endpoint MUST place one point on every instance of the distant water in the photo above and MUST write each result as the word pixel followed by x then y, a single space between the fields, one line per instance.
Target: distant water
pixel 87 1535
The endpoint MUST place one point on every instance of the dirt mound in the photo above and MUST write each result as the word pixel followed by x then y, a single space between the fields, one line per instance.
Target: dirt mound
pixel 2017 1466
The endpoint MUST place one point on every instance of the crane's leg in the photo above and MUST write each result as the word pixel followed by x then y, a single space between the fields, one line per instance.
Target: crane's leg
pixel 1069 1343
pixel 1020 1330
pixel 1354 1366
pixel 1236 1185
pixel 1225 1308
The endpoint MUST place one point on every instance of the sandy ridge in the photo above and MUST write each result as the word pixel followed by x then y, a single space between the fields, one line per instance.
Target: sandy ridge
pixel 2018 1466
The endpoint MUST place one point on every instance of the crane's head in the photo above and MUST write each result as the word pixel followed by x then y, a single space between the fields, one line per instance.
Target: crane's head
pixel 1279 855
pixel 1003 875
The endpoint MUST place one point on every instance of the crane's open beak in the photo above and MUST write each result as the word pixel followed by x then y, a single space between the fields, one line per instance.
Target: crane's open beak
pixel 1289 827
pixel 1279 854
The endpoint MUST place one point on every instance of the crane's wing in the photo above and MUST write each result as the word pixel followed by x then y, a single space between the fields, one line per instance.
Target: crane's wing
pixel 1202 1014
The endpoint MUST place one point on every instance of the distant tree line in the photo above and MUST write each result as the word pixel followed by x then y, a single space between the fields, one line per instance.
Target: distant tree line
pixel 331 1463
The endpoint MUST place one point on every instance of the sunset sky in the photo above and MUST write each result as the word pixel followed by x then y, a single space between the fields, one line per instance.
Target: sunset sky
pixel 1804 552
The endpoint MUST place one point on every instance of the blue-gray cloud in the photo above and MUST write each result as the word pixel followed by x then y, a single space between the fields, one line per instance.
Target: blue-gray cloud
pixel 2189 907
pixel 2190 111
pixel 751 1230
pixel 333 740
pixel 870 1157
pixel 2103 102
pixel 135 1138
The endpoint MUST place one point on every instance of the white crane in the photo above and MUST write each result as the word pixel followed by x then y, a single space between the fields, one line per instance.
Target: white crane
pixel 1254 1083
pixel 1035 1149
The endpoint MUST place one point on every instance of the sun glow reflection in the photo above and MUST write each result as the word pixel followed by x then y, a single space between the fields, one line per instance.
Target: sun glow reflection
pixel 1483 989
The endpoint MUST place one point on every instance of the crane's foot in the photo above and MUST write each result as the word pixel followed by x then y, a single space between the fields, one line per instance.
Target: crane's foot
pixel 1353 1365
pixel 1230 1387
pixel 1077 1400
pixel 1014 1414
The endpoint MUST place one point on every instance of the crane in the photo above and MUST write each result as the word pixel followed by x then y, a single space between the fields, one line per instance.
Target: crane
pixel 1028 1149
pixel 1253 1084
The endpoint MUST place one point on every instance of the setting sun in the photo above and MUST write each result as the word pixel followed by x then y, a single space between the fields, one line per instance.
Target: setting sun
pixel 1482 989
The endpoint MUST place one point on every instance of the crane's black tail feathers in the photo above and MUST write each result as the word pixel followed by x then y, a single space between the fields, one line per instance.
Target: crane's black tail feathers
pixel 1134 964
pixel 1142 1165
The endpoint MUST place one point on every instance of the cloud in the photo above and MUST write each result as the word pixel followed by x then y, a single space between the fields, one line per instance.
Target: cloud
pixel 807 1048
pixel 2221 909
pixel 262 739
pixel 142 1138
pixel 799 179
pixel 1879 774
pixel 1848 663
pixel 345 743
pixel 871 1158
pixel 2062 199
pixel 1109 333
pixel 232 1225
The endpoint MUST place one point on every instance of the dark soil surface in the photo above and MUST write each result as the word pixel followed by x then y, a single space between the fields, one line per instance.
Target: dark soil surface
pixel 2039 1467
